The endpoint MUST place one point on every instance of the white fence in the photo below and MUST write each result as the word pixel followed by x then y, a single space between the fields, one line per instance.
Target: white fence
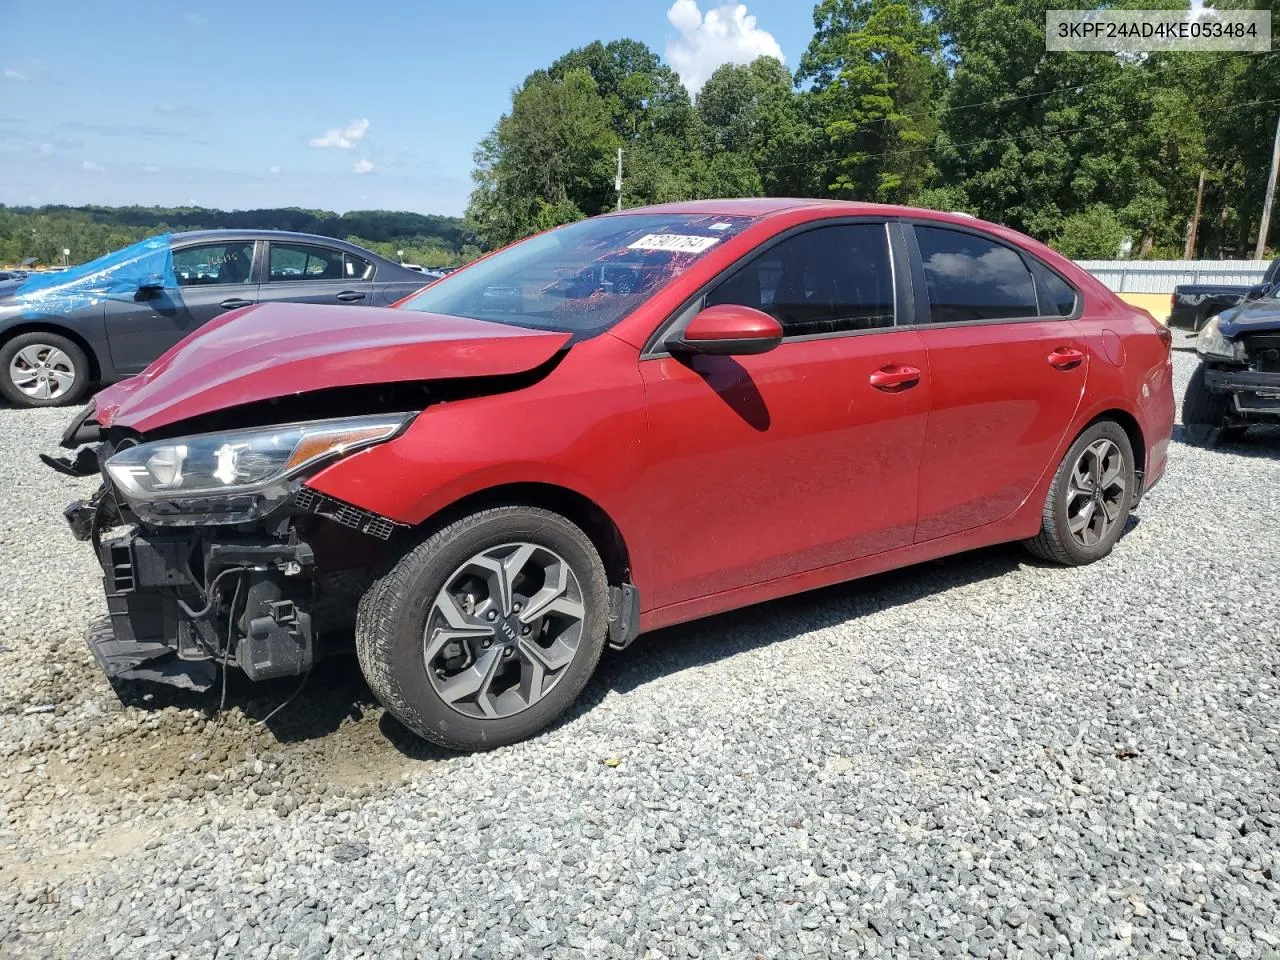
pixel 1161 276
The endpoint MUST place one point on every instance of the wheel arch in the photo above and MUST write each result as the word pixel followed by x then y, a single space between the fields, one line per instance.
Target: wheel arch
pixel 1133 430
pixel 46 326
pixel 580 510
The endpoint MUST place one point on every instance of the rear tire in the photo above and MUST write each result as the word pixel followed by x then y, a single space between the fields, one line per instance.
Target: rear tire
pixel 485 632
pixel 1204 413
pixel 1077 526
pixel 43 370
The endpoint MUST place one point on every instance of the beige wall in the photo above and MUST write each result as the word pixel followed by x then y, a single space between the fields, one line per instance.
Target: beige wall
pixel 1157 304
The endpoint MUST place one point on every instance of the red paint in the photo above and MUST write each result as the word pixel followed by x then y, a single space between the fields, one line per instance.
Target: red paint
pixel 278 349
pixel 732 322
pixel 730 479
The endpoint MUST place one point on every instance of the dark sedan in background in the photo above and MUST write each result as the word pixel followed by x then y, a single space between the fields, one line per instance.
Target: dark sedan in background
pixel 106 320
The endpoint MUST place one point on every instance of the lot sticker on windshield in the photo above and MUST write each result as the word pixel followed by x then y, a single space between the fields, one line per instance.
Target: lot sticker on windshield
pixel 720 226
pixel 675 242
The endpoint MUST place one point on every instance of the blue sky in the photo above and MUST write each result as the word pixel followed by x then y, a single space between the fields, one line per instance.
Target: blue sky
pixel 314 104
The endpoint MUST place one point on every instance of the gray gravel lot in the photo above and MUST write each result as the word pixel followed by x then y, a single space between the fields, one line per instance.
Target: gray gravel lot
pixel 984 756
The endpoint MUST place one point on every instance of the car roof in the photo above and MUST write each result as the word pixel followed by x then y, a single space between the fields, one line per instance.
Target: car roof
pixel 769 206
pixel 195 235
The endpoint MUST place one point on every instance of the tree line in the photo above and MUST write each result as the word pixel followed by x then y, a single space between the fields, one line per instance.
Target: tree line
pixel 953 104
pixel 88 232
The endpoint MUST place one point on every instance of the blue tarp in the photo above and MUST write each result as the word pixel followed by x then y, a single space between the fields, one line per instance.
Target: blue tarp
pixel 115 276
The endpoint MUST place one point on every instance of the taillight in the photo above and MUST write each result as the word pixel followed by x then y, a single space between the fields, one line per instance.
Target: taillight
pixel 1165 334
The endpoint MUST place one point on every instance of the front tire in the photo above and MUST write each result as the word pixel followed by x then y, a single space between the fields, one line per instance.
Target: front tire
pixel 488 630
pixel 1089 500
pixel 43 370
pixel 1204 413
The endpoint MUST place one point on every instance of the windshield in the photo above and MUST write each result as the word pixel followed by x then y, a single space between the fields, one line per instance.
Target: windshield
pixel 580 278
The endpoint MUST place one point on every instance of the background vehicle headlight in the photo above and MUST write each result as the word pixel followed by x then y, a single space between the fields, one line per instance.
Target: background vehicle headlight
pixel 240 475
pixel 1211 343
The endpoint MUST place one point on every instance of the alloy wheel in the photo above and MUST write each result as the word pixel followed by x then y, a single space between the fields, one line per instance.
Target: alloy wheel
pixel 1095 492
pixel 503 630
pixel 42 371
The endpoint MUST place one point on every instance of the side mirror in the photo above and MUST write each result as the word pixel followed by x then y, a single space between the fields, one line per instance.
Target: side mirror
pixel 728 329
pixel 1259 291
pixel 150 287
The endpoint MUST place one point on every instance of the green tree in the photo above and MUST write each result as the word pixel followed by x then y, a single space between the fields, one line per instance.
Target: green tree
pixel 1095 233
pixel 876 70
pixel 548 161
pixel 752 111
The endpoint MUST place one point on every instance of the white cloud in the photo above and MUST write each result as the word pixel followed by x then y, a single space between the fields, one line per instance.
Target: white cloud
pixel 92 167
pixel 151 168
pixel 11 74
pixel 274 168
pixel 343 138
pixel 362 166
pixel 726 34
pixel 195 20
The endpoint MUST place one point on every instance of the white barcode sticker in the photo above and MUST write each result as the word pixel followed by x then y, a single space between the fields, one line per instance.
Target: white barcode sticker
pixel 675 242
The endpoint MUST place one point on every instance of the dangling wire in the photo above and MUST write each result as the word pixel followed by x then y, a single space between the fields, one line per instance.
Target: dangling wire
pixel 287 700
pixel 226 650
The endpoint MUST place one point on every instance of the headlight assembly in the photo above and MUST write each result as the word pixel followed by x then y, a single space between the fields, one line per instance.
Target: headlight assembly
pixel 1211 343
pixel 240 475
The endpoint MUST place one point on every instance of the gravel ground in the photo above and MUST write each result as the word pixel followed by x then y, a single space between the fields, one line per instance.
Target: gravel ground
pixel 983 756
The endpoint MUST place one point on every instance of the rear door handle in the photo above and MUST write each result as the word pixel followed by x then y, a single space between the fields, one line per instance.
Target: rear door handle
pixel 895 377
pixel 233 303
pixel 1066 358
pixel 350 296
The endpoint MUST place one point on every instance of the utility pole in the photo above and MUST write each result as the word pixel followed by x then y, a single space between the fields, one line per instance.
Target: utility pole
pixel 1189 252
pixel 617 183
pixel 1271 195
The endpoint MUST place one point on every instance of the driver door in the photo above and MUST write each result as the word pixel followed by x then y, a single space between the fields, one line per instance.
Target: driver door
pixel 770 465
pixel 212 279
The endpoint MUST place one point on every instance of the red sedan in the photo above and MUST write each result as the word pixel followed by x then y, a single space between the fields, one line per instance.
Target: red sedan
pixel 624 423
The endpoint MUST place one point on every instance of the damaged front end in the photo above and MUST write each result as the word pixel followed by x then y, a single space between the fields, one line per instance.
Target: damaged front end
pixel 215 554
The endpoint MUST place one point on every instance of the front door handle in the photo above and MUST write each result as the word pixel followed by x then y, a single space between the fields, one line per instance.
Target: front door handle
pixel 895 377
pixel 1066 358
pixel 233 303
pixel 350 296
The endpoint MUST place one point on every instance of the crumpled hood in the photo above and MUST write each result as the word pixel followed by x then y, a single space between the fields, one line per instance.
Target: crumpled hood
pixel 283 349
pixel 1253 317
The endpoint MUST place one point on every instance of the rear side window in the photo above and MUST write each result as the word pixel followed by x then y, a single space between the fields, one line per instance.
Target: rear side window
pixel 303 262
pixel 970 278
pixel 827 280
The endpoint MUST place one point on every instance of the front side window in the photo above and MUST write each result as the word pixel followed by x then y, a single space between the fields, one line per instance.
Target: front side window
pixel 297 261
pixel 971 278
pixel 213 263
pixel 580 278
pixel 832 279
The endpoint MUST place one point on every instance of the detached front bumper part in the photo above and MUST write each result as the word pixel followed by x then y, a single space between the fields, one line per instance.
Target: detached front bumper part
pixel 151 662
pixel 250 608
pixel 1253 392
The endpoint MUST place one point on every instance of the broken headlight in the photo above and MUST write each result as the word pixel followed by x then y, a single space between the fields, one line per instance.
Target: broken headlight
pixel 236 476
pixel 1211 343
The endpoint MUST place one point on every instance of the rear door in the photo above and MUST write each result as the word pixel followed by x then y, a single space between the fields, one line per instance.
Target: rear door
pixel 769 465
pixel 314 273
pixel 1007 370
pixel 212 279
